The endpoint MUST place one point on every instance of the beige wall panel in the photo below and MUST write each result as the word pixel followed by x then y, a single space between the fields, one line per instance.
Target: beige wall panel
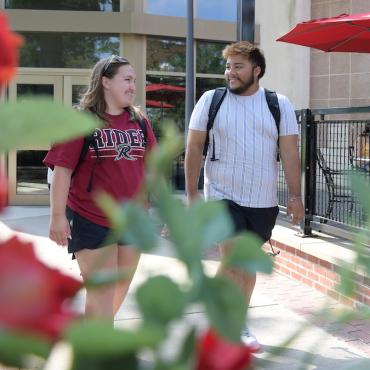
pixel 69 21
pixel 130 22
pixel 136 6
pixel 133 47
pixel 288 66
pixel 339 87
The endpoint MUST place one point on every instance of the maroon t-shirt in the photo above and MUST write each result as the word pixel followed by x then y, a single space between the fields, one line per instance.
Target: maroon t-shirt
pixel 120 172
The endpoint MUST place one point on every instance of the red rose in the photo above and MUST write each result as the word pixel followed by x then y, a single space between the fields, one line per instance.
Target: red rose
pixel 215 353
pixel 32 295
pixel 3 191
pixel 10 42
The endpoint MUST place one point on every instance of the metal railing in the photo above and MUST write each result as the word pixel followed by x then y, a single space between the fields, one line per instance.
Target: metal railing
pixel 333 145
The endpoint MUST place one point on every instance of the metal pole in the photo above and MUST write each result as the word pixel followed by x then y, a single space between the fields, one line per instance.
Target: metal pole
pixel 245 20
pixel 190 80
pixel 308 165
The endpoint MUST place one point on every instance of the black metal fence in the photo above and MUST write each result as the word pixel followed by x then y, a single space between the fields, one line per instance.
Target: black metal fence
pixel 333 146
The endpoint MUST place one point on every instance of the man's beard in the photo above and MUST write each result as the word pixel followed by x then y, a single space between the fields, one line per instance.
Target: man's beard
pixel 243 87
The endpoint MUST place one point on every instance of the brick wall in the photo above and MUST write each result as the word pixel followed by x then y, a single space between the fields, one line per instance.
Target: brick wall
pixel 317 273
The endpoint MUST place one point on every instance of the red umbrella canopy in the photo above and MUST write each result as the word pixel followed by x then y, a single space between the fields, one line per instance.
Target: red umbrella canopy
pixel 344 33
pixel 164 87
pixel 165 92
pixel 158 104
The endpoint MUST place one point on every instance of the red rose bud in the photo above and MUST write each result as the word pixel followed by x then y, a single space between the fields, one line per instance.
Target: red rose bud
pixel 216 353
pixel 33 295
pixel 10 42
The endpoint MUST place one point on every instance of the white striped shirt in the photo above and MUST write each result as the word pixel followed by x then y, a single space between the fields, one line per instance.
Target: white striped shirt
pixel 245 133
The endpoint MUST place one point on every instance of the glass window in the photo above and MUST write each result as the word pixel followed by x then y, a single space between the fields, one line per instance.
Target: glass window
pixel 174 8
pixel 31 173
pixel 209 57
pixel 219 10
pixel 77 92
pixel 165 99
pixel 34 89
pixel 166 55
pixel 66 50
pixel 91 5
pixel 205 84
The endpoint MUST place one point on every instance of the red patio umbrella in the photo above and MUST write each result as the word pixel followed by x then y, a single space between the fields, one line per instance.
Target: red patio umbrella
pixel 164 92
pixel 344 33
pixel 158 104
pixel 164 87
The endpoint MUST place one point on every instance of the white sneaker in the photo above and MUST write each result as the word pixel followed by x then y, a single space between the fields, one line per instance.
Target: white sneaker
pixel 250 340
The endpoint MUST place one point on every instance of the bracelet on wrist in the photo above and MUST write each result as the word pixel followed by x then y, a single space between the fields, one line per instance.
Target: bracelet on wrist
pixel 294 197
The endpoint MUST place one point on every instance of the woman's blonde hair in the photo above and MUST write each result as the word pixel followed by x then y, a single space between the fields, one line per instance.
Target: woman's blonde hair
pixel 93 99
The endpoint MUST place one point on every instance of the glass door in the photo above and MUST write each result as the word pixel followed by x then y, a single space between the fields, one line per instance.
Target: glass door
pixel 26 173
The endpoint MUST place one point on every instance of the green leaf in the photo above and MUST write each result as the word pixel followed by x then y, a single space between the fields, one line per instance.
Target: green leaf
pixel 246 254
pixel 97 339
pixel 347 284
pixel 361 187
pixel 41 121
pixel 130 222
pixel 160 160
pixel 141 230
pixel 225 306
pixel 187 353
pixel 160 300
pixel 181 232
pixel 107 277
pixel 211 222
pixel 14 346
pixel 116 361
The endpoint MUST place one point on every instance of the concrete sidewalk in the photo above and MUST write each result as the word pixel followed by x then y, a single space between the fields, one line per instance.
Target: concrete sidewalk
pixel 279 306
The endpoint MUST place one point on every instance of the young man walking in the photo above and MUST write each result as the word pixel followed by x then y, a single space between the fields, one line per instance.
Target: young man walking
pixel 241 167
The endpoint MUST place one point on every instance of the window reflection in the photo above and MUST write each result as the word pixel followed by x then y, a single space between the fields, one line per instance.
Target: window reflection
pixel 169 96
pixel 205 84
pixel 89 5
pixel 166 55
pixel 209 57
pixel 174 8
pixel 34 89
pixel 31 173
pixel 203 9
pixel 219 10
pixel 77 92
pixel 66 50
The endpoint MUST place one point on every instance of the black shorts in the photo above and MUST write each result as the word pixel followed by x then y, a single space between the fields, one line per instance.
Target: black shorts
pixel 260 221
pixel 86 234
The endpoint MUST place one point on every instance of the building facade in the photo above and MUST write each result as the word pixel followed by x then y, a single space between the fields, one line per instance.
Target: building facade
pixel 65 38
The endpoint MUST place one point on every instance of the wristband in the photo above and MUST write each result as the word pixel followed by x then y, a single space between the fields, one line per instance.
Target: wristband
pixel 295 197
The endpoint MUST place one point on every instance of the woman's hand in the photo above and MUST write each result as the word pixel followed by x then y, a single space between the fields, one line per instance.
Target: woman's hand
pixel 59 230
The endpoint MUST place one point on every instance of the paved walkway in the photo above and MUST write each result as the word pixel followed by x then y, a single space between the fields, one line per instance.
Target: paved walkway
pixel 279 306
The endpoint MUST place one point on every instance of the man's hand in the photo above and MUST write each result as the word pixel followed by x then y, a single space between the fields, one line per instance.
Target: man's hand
pixel 295 209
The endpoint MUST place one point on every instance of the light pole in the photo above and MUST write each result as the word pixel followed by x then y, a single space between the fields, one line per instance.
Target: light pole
pixel 245 20
pixel 190 73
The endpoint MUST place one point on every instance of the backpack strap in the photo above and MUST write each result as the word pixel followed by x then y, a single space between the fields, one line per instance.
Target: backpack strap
pixel 88 141
pixel 273 104
pixel 145 131
pixel 216 102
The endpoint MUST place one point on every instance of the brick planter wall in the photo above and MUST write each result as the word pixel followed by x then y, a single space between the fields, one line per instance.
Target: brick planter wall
pixel 317 273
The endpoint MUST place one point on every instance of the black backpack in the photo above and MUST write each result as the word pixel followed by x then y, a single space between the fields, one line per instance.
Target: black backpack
pixel 217 99
pixel 90 141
